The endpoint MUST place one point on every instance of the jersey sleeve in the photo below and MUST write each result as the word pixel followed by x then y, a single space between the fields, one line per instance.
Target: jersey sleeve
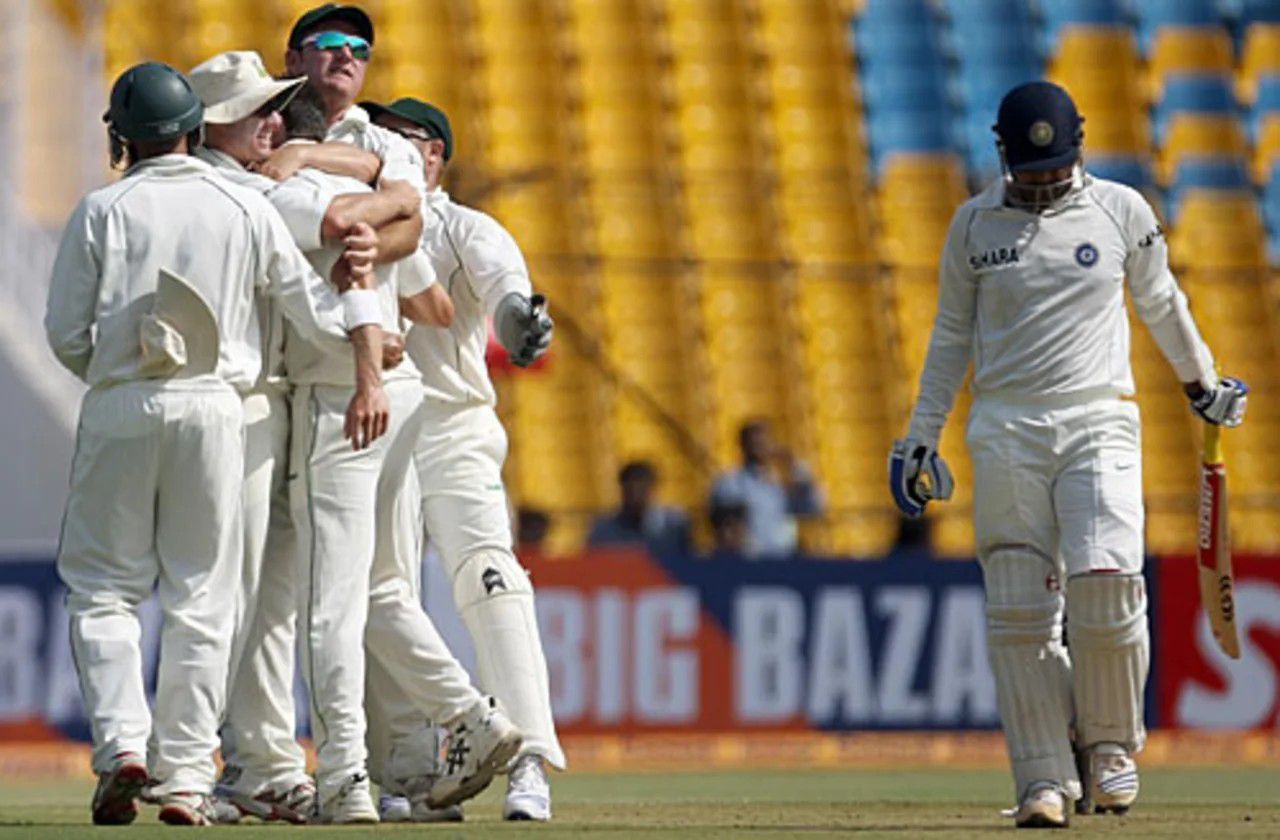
pixel 951 344
pixel 302 202
pixel 400 160
pixel 495 266
pixel 1157 298
pixel 73 294
pixel 306 299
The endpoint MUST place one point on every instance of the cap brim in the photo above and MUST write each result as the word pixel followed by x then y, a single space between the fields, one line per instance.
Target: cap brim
pixel 1061 161
pixel 238 107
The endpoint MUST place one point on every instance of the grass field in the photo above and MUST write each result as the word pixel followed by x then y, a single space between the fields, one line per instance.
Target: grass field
pixel 934 803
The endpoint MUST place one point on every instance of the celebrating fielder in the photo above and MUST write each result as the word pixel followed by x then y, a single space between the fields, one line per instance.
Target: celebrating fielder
pixel 1032 290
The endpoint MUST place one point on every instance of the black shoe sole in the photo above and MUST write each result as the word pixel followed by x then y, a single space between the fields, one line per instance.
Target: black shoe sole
pixel 118 805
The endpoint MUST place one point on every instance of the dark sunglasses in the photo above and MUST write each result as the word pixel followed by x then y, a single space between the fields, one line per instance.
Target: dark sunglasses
pixel 360 48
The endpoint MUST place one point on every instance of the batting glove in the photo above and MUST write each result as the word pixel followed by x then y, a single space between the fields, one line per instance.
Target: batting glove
pixel 1223 404
pixel 917 475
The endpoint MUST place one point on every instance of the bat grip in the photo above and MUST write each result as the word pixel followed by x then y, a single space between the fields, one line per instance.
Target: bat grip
pixel 1212 444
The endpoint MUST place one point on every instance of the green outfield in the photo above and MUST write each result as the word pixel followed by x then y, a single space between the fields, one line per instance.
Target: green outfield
pixel 941 803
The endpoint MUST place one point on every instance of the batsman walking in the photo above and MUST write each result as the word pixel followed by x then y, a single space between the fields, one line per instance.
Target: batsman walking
pixel 1031 289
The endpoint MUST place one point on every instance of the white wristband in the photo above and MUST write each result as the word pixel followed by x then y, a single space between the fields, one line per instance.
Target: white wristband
pixel 360 307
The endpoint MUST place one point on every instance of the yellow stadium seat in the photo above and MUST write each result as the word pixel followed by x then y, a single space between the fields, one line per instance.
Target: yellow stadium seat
pixel 1126 132
pixel 1187 49
pixel 709 83
pixel 631 220
pixel 1260 57
pixel 1267 148
pixel 1218 230
pixel 1199 135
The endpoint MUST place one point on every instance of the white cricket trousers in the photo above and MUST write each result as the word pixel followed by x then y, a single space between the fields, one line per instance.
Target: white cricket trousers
pixel 155 502
pixel 259 746
pixel 1058 521
pixel 459 457
pixel 347 598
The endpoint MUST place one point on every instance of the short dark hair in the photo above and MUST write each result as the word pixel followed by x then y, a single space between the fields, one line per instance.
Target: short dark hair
pixel 304 117
pixel 636 469
pixel 750 427
pixel 724 513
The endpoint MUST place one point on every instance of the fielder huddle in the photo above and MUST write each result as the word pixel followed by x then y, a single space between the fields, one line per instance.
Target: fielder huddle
pixel 1031 289
pixel 235 303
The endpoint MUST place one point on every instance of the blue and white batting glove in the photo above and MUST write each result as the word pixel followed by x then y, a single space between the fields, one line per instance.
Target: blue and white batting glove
pixel 917 476
pixel 1223 404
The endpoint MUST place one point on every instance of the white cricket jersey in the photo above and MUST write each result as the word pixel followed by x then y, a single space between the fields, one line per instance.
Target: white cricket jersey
pixel 1037 301
pixel 174 212
pixel 400 158
pixel 479 264
pixel 302 201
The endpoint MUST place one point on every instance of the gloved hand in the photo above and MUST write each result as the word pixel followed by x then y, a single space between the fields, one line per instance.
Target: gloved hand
pixel 523 327
pixel 1223 404
pixel 917 475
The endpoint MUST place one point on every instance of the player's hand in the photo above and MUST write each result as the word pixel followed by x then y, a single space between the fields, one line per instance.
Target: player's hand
pixel 346 276
pixel 917 476
pixel 1223 404
pixel 392 350
pixel 361 244
pixel 368 415
pixel 523 327
pixel 283 163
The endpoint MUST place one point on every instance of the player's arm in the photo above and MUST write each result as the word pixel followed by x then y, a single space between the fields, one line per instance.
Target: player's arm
pixel 1162 306
pixel 422 299
pixel 917 473
pixel 395 211
pixel 334 158
pixel 73 294
pixel 499 276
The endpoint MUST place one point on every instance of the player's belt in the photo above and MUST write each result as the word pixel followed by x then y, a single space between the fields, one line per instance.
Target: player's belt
pixel 1066 400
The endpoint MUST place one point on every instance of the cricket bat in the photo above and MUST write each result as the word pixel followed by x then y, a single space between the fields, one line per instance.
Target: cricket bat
pixel 1213 550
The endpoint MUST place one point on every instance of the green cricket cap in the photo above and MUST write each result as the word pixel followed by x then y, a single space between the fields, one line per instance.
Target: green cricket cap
pixel 422 114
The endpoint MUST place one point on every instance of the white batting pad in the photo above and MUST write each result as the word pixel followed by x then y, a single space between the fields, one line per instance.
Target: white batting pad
pixel 1110 644
pixel 1031 668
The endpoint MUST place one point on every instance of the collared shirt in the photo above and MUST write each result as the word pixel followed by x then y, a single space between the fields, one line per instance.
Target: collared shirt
pixel 174 212
pixel 1037 301
pixel 664 531
pixel 479 264
pixel 302 201
pixel 400 158
pixel 771 507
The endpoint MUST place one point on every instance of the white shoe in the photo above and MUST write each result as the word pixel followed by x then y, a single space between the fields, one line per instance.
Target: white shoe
pixel 187 809
pixel 394 809
pixel 528 793
pixel 1044 806
pixel 1112 780
pixel 480 744
pixel 351 804
pixel 115 800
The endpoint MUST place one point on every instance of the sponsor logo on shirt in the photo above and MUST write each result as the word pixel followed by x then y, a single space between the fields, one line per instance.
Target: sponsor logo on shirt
pixel 994 258
pixel 1151 237
pixel 1086 255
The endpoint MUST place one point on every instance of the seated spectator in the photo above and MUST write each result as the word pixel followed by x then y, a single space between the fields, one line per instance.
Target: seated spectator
pixel 728 531
pixel 774 487
pixel 639 521
pixel 532 526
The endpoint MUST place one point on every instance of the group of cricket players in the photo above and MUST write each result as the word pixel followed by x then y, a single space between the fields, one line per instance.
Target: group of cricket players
pixel 265 446
pixel 282 319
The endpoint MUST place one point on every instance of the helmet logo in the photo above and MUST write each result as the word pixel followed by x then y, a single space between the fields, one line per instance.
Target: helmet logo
pixel 1041 133
pixel 1086 255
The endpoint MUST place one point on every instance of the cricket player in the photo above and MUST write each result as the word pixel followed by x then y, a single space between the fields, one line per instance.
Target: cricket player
pixel 264 767
pixel 156 482
pixel 1031 290
pixel 349 596
pixel 460 453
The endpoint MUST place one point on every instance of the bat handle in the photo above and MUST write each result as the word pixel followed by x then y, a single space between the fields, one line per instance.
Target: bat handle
pixel 1212 444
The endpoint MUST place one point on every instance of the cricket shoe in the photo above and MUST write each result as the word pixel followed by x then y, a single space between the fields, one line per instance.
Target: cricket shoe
pixel 1112 779
pixel 351 804
pixel 295 805
pixel 187 809
pixel 479 745
pixel 1044 806
pixel 115 800
pixel 394 809
pixel 528 793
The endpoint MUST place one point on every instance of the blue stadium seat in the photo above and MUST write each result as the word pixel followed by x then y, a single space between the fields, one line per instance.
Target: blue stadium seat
pixel 898 44
pixel 1153 14
pixel 1271 214
pixel 908 131
pixel 1259 11
pixel 894 11
pixel 1212 173
pixel 1060 13
pixel 896 87
pixel 985 19
pixel 1203 94
pixel 1122 168
pixel 980 147
pixel 1267 102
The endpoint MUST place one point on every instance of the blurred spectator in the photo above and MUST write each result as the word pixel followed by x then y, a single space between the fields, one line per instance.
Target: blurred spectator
pixel 532 526
pixel 774 487
pixel 639 521
pixel 729 530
